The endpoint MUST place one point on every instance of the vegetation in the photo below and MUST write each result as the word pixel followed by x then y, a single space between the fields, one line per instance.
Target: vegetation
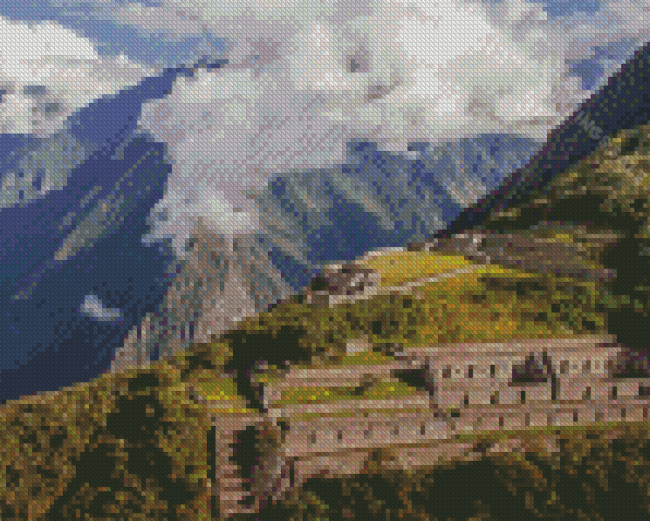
pixel 141 444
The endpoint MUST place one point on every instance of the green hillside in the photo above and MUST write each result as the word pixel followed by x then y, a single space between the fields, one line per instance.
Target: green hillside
pixel 567 263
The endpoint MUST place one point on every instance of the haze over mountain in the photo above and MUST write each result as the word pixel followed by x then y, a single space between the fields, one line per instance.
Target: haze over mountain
pixel 77 201
pixel 621 103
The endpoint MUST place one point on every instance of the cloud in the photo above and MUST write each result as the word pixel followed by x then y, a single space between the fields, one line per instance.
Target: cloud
pixel 93 307
pixel 304 78
pixel 48 72
pixel 578 37
pixel 239 22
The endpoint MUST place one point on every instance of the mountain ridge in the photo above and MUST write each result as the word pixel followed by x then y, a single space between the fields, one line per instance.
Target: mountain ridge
pixel 545 414
pixel 565 145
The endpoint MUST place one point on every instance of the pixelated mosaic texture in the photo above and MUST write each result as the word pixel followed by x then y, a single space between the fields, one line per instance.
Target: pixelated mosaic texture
pixel 563 303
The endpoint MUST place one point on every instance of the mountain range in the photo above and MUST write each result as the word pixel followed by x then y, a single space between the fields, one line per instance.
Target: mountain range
pixel 350 398
pixel 76 210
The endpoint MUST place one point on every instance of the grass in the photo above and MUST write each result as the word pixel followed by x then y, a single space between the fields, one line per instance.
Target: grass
pixel 315 394
pixel 402 267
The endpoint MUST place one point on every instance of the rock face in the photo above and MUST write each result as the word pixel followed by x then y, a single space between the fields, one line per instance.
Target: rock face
pixel 207 298
pixel 512 356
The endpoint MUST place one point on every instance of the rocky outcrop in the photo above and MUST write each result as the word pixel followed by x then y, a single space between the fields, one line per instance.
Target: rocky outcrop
pixel 206 298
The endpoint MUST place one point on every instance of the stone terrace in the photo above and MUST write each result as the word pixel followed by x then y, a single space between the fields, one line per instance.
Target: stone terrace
pixel 473 388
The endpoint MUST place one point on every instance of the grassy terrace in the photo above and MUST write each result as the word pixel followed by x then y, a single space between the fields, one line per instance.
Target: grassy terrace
pixel 488 304
pixel 402 267
pixel 379 391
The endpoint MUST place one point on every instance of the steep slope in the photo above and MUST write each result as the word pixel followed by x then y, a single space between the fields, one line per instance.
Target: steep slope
pixel 555 286
pixel 622 103
pixel 492 374
pixel 600 207
pixel 392 372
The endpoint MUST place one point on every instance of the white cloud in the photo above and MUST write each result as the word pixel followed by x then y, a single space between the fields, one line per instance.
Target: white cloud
pixel 243 21
pixel 574 37
pixel 48 72
pixel 306 77
pixel 93 307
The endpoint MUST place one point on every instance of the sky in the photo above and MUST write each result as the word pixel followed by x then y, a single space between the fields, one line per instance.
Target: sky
pixel 119 35
pixel 102 86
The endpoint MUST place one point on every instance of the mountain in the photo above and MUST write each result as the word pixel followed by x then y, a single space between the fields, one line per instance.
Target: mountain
pixel 73 210
pixel 355 390
pixel 312 218
pixel 60 249
pixel 498 370
pixel 380 200
pixel 83 290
